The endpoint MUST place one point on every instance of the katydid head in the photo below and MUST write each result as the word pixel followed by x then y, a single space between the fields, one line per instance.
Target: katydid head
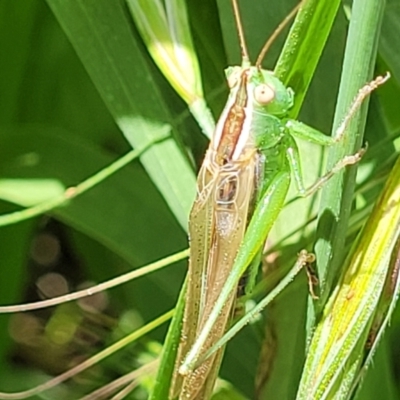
pixel 264 91
pixel 254 92
pixel 269 84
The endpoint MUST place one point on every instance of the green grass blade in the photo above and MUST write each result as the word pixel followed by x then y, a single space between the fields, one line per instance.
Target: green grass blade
pixel 166 369
pixel 303 48
pixel 358 65
pixel 167 36
pixel 121 75
pixel 337 348
pixel 390 40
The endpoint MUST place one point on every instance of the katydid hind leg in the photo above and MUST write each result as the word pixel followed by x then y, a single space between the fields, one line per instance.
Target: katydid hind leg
pixel 304 260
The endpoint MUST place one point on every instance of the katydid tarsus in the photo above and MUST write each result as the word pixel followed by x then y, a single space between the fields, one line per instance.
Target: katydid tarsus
pixel 248 166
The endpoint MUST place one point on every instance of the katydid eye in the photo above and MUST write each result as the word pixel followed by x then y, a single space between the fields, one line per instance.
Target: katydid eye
pixel 264 94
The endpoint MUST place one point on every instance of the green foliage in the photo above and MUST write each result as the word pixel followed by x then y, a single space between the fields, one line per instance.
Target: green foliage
pixel 79 89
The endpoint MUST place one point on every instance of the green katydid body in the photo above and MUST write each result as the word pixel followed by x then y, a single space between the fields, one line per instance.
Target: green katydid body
pixel 241 189
pixel 249 150
pixel 242 186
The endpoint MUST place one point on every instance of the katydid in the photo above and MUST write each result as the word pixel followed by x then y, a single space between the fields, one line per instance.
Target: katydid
pixel 241 189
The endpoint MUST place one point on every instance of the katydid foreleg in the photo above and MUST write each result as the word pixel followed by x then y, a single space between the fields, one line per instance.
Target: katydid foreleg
pixel 304 132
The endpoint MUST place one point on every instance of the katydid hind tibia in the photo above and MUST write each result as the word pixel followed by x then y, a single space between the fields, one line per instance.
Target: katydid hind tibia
pixel 248 166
